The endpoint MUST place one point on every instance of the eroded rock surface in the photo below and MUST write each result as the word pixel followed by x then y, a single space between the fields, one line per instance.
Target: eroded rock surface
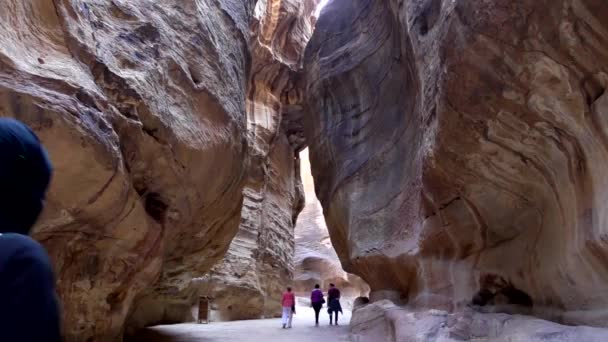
pixel 459 150
pixel 383 321
pixel 141 105
pixel 316 261
pixel 248 283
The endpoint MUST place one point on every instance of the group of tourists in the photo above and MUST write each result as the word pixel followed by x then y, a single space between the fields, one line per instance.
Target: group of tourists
pixel 317 299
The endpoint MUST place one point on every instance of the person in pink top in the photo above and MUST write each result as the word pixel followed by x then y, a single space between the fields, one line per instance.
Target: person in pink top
pixel 288 302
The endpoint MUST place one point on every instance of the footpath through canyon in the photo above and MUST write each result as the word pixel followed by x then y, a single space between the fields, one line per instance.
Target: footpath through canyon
pixel 267 330
pixel 458 151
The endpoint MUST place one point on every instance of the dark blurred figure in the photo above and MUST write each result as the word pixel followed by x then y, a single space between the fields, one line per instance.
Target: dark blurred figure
pixel 333 303
pixel 28 306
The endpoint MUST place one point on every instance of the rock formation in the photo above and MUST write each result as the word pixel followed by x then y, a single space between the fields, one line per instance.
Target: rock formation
pixel 142 108
pixel 157 116
pixel 459 147
pixel 316 261
pixel 248 283
pixel 383 321
pixel 458 151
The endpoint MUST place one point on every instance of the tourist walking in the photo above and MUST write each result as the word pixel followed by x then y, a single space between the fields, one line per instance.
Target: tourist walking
pixel 333 303
pixel 317 301
pixel 28 306
pixel 288 302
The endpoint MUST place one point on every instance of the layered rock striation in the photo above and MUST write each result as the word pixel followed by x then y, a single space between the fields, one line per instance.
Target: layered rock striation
pixel 248 282
pixel 458 150
pixel 155 128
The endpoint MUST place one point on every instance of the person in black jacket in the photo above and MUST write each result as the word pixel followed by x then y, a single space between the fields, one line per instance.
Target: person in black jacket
pixel 29 309
pixel 333 302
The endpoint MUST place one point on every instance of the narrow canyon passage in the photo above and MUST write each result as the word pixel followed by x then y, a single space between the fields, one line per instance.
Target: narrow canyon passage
pixel 314 262
pixel 457 152
pixel 315 259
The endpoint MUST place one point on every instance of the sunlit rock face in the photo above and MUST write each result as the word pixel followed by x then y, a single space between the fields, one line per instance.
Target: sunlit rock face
pixel 316 261
pixel 141 105
pixel 459 148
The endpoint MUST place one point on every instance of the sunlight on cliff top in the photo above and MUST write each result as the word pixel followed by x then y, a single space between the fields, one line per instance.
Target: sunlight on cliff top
pixel 320 7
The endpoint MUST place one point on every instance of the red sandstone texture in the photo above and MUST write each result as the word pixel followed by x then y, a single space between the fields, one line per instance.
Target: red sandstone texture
pixel 459 149
pixel 158 116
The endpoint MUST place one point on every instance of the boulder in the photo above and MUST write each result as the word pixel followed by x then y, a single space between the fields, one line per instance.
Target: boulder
pixel 383 321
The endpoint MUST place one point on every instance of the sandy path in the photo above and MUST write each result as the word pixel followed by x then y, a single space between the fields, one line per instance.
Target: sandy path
pixel 266 330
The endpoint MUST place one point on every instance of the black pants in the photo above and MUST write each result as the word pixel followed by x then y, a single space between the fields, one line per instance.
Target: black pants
pixel 330 320
pixel 317 307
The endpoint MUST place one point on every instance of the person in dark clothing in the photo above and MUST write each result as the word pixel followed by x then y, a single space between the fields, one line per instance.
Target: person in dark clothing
pixel 316 300
pixel 28 305
pixel 333 303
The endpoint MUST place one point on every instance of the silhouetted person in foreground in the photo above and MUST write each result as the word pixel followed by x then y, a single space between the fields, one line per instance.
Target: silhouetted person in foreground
pixel 316 300
pixel 28 305
pixel 333 303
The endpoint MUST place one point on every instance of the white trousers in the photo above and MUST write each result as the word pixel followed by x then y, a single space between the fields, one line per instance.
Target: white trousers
pixel 287 316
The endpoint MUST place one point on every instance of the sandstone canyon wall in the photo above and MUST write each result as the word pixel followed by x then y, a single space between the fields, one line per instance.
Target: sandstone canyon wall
pixel 248 283
pixel 459 150
pixel 155 124
pixel 316 261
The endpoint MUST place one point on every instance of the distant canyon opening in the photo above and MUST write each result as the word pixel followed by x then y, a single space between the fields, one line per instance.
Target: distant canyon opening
pixel 282 238
pixel 316 261
pixel 248 282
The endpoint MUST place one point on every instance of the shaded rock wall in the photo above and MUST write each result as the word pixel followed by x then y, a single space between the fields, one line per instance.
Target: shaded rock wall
pixel 249 281
pixel 142 106
pixel 316 261
pixel 458 149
